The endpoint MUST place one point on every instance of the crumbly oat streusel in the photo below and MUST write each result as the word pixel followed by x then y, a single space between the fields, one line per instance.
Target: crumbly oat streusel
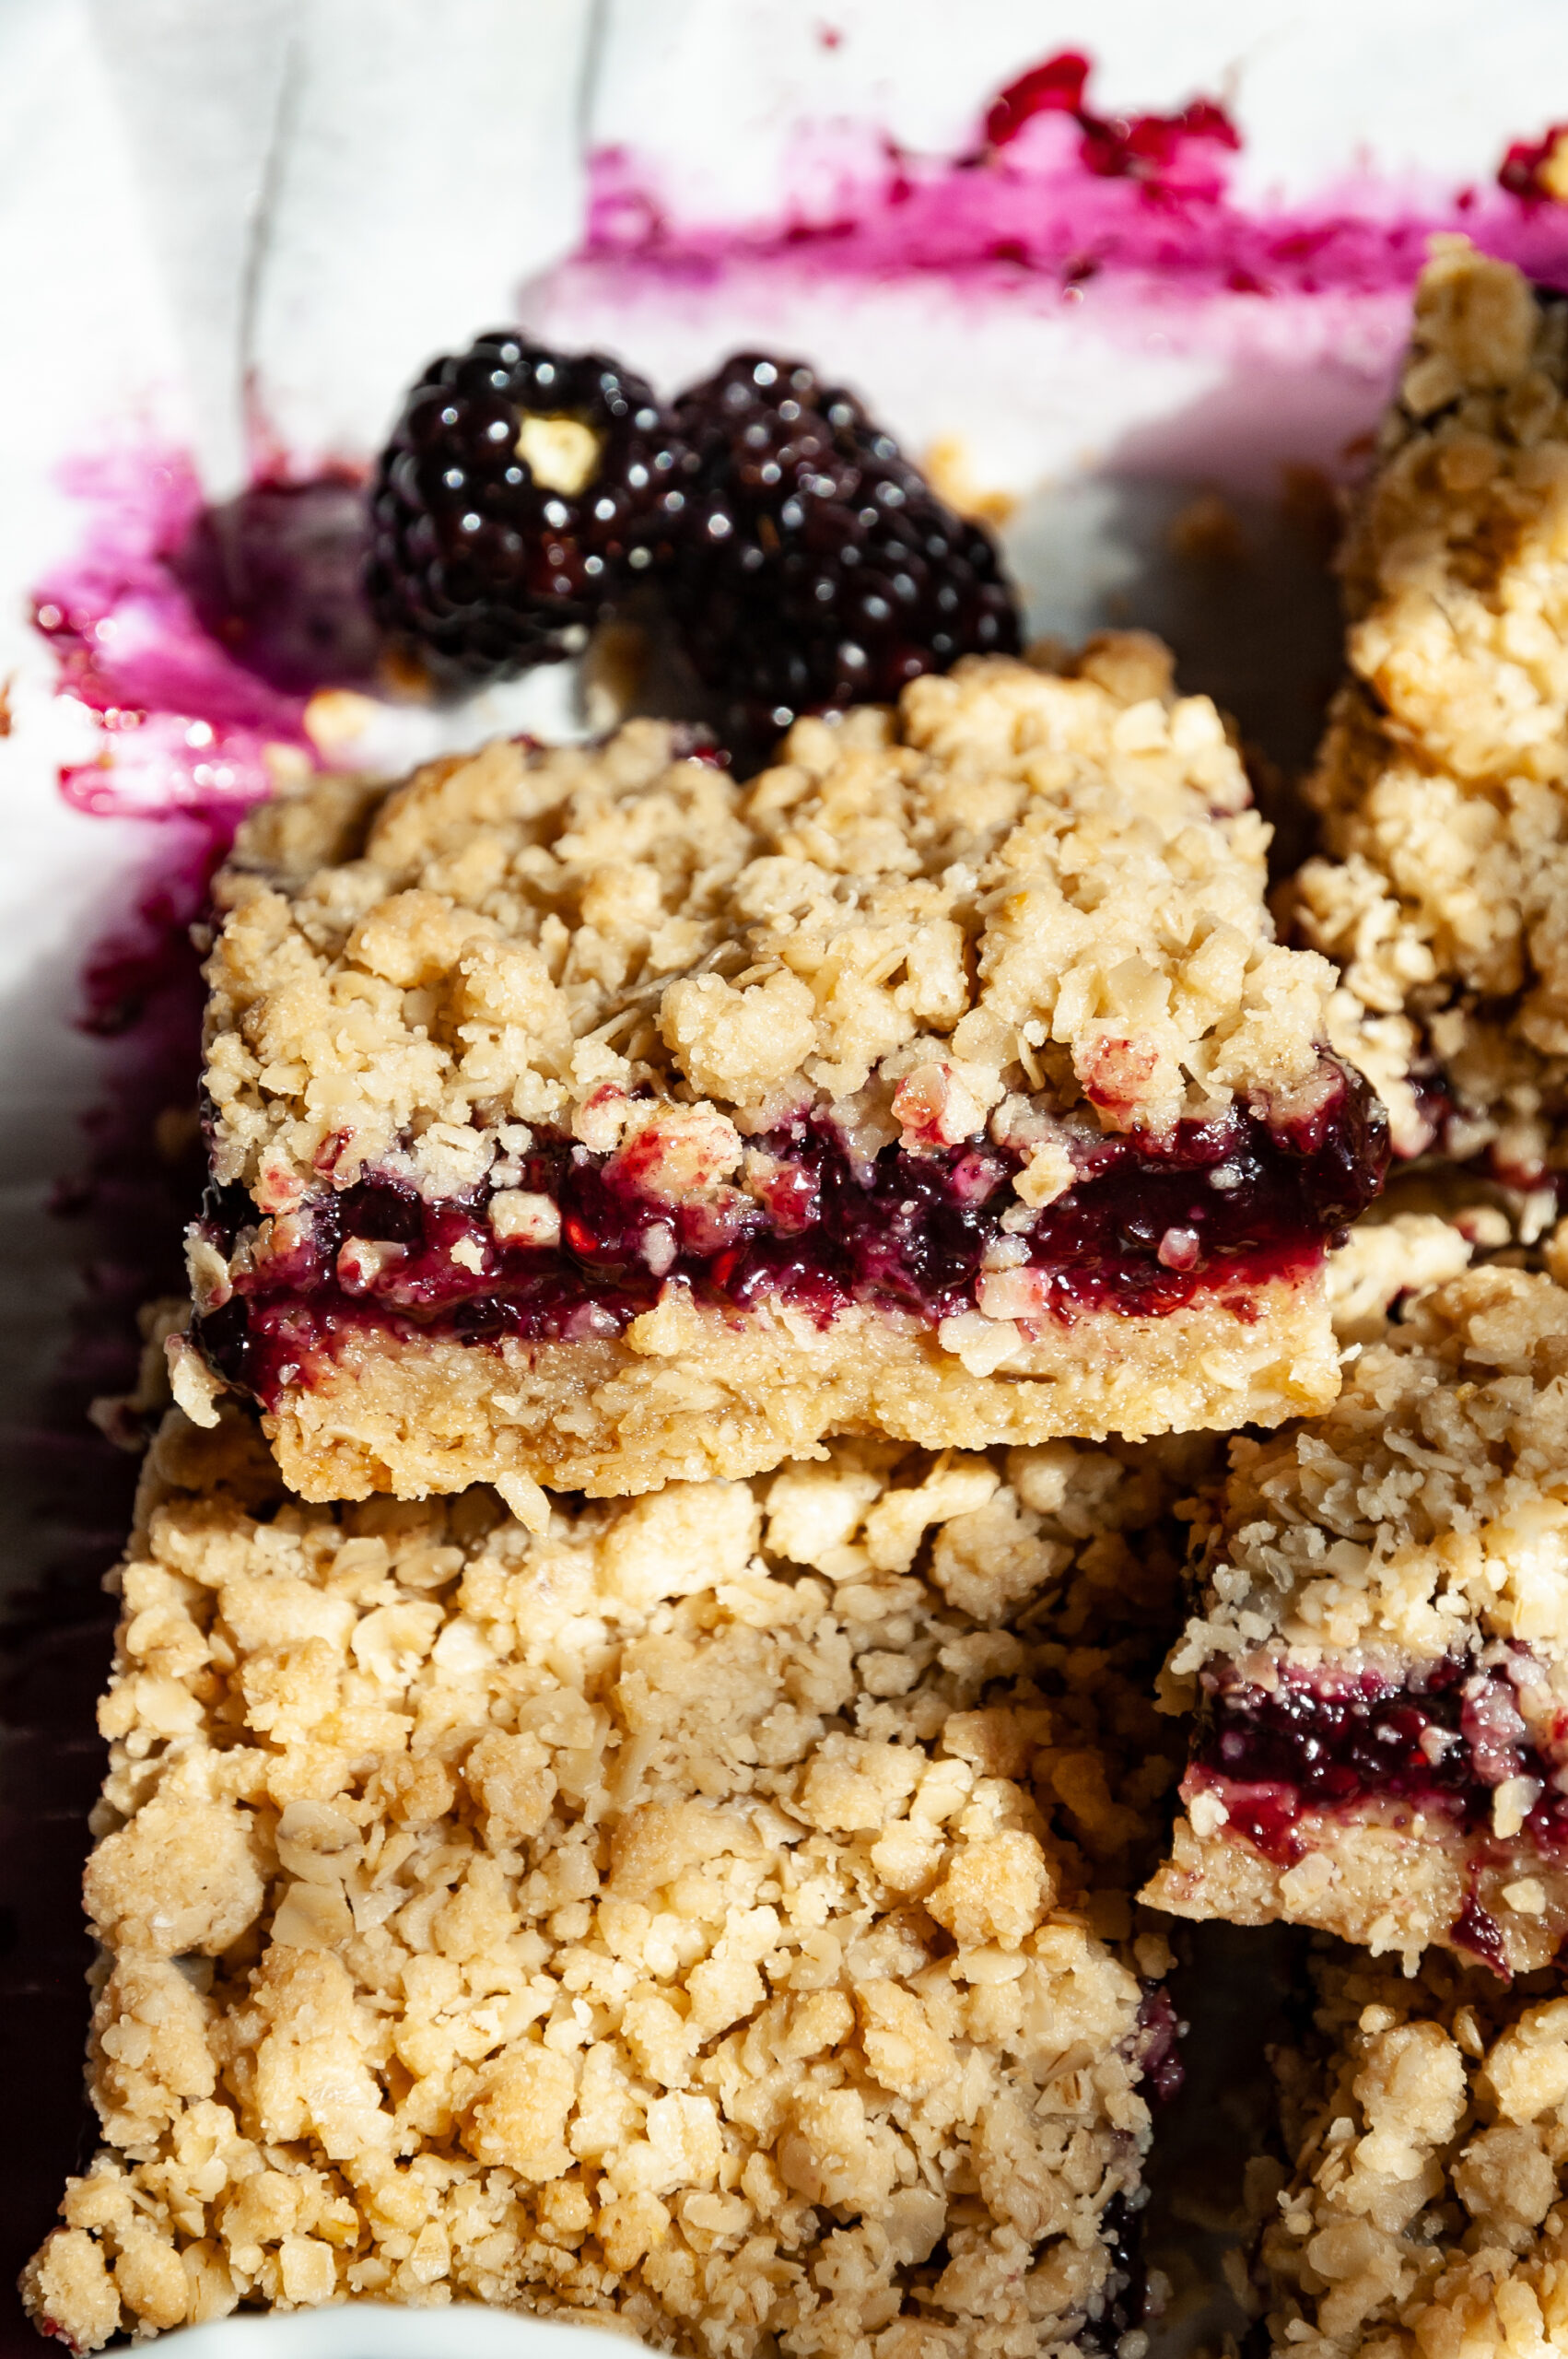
pixel 1424 1504
pixel 1021 919
pixel 1443 778
pixel 1423 2215
pixel 712 1913
pixel 1018 882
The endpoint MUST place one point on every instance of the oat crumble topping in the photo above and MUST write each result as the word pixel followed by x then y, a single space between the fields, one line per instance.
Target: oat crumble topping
pixel 1422 2215
pixel 1019 887
pixel 1431 1501
pixel 1443 780
pixel 712 1912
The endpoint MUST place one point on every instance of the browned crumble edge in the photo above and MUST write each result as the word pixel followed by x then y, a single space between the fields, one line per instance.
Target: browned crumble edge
pixel 1424 1518
pixel 711 1914
pixel 1024 907
pixel 1422 2214
pixel 1443 779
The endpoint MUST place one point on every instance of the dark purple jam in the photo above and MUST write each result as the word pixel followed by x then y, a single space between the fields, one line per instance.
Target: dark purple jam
pixel 1249 1202
pixel 1145 147
pixel 1477 1929
pixel 1160 2033
pixel 1440 1743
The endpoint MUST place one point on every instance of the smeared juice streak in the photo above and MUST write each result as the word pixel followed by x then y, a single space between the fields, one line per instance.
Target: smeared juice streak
pixel 1057 198
pixel 182 724
pixel 195 637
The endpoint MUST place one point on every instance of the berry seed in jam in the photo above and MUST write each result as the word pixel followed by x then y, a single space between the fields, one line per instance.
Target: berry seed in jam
pixel 580 1250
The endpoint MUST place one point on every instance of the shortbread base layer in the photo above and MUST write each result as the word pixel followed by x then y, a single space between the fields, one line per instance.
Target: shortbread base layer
pixel 686 1393
pixel 1386 1888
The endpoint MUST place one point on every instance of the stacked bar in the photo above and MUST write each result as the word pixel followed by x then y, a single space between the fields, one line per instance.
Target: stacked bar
pixel 711 1911
pixel 1427 2160
pixel 1379 1655
pixel 1443 778
pixel 583 1118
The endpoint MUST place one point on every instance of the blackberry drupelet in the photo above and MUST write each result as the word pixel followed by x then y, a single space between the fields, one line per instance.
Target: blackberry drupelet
pixel 817 568
pixel 520 495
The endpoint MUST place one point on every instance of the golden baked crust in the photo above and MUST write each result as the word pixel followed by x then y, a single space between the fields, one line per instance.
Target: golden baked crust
pixel 1408 1550
pixel 1443 776
pixel 710 1914
pixel 1426 2152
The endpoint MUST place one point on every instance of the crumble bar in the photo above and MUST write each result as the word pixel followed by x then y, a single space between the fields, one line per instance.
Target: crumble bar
pixel 1443 779
pixel 582 1117
pixel 1424 2212
pixel 711 1913
pixel 1379 1657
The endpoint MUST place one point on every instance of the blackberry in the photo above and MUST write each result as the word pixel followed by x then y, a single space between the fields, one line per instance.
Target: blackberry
pixel 817 568
pixel 521 493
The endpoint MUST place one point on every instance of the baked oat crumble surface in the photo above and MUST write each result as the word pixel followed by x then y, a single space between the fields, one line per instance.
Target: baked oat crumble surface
pixel 1422 2213
pixel 1017 882
pixel 1425 1503
pixel 1443 780
pixel 712 1913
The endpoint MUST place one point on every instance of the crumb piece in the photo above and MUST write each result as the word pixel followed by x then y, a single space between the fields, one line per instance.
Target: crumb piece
pixel 949 468
pixel 1382 1262
pixel 1208 531
pixel 194 1387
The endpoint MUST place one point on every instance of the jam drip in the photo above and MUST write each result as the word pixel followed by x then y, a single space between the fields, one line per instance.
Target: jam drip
pixel 919 1233
pixel 1441 1741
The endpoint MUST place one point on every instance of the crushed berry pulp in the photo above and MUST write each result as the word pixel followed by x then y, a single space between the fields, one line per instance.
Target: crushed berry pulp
pixel 1441 1741
pixel 1249 1203
pixel 1160 2032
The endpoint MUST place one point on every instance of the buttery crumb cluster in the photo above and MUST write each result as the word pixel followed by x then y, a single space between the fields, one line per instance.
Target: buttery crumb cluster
pixel 1380 1658
pixel 711 1912
pixel 1425 1504
pixel 1443 778
pixel 1016 886
pixel 1426 2127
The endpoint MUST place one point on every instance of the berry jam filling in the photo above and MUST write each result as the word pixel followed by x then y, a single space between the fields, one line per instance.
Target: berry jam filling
pixel 1160 2034
pixel 1441 1741
pixel 1215 1207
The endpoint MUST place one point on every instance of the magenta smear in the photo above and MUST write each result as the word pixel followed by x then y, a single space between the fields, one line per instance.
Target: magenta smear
pixel 182 723
pixel 1056 196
